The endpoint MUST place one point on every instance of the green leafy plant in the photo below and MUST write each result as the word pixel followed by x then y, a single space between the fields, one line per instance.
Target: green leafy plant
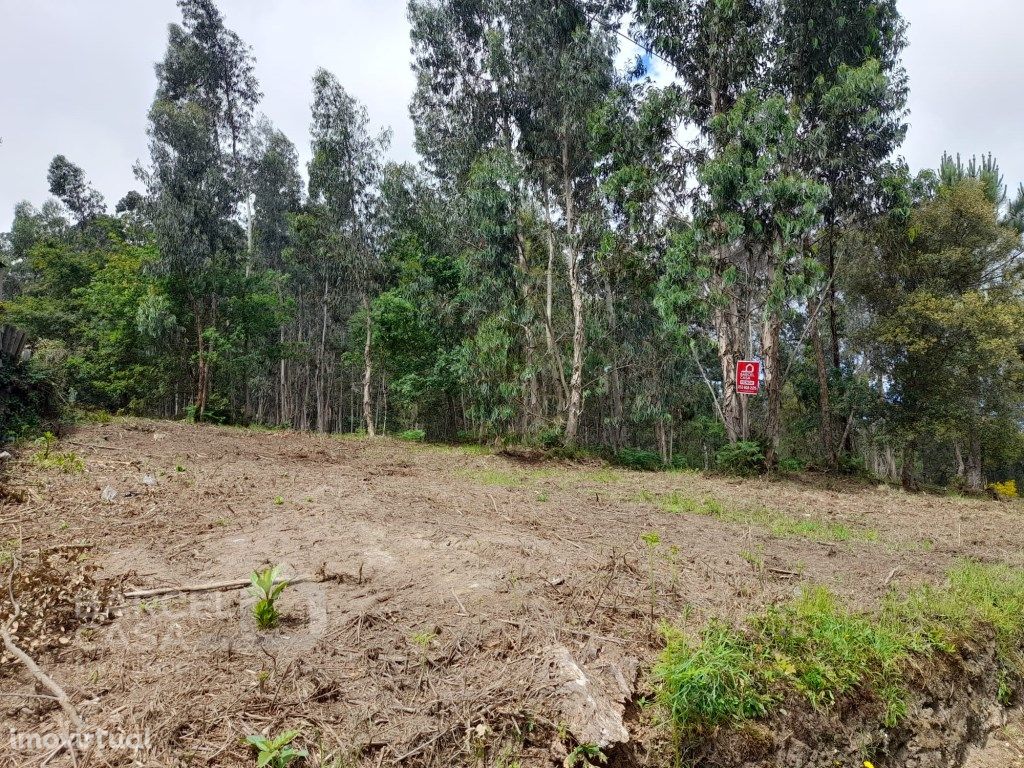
pixel 266 587
pixel 742 458
pixel 46 458
pixel 791 466
pixel 635 458
pixel 817 648
pixel 276 752
pixel 45 442
pixel 549 437
pixel 585 756
pixel 412 435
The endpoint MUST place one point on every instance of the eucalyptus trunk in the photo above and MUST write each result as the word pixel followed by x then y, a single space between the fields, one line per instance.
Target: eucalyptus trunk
pixel 770 347
pixel 824 405
pixel 368 371
pixel 729 330
pixel 576 293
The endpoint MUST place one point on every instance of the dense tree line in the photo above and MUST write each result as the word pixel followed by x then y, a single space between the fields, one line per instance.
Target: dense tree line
pixel 581 257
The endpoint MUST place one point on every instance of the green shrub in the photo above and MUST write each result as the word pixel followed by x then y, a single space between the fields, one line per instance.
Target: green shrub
pixel 636 458
pixel 742 458
pixel 791 466
pixel 412 435
pixel 28 400
pixel 817 648
pixel 852 465
pixel 679 461
pixel 549 438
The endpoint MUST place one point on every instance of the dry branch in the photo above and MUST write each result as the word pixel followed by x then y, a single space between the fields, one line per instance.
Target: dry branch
pixel 214 586
pixel 45 679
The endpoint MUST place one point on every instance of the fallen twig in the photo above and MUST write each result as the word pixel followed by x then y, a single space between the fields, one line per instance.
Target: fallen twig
pixel 892 574
pixel 215 586
pixel 45 679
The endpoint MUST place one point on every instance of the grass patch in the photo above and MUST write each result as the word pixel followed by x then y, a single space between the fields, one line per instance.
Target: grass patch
pixel 64 462
pixel 777 523
pixel 412 436
pixel 496 477
pixel 558 475
pixel 816 648
pixel 47 458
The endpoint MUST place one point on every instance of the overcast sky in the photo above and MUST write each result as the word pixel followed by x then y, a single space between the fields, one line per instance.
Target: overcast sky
pixel 76 78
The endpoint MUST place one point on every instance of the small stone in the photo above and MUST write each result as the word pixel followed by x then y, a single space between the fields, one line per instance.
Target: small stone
pixel 109 494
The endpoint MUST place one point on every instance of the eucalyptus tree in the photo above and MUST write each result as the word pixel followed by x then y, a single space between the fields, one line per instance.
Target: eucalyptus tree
pixel 68 184
pixel 276 188
pixel 751 205
pixel 344 179
pixel 839 60
pixel 638 183
pixel 275 198
pixel 793 106
pixel 523 78
pixel 466 109
pixel 198 128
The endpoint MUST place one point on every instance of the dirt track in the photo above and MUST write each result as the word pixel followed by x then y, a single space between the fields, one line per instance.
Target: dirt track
pixel 463 593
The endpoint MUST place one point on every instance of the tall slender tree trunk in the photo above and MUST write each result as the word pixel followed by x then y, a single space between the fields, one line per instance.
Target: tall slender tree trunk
pixel 824 405
pixel 532 385
pixel 576 294
pixel 661 436
pixel 907 476
pixel 202 361
pixel 974 479
pixel 772 384
pixel 578 344
pixel 282 395
pixel 730 334
pixel 368 371
pixel 833 311
pixel 615 383
pixel 321 367
pixel 959 466
pixel 555 355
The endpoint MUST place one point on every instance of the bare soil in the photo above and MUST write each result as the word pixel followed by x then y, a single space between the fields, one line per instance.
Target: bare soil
pixel 465 608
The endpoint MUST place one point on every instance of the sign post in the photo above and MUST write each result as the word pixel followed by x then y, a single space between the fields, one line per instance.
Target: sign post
pixel 748 377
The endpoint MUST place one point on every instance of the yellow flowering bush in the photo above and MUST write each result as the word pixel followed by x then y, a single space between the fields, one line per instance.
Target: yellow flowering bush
pixel 1004 490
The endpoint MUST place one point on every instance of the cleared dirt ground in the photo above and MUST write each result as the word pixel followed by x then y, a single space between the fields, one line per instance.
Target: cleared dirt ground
pixel 464 608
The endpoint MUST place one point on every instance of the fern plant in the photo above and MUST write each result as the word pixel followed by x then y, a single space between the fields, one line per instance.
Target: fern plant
pixel 276 752
pixel 266 587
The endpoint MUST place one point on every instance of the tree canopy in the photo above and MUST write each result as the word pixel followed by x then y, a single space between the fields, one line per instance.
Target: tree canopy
pixel 581 259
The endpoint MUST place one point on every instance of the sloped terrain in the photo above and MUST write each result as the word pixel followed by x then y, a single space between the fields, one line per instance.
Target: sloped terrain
pixel 458 608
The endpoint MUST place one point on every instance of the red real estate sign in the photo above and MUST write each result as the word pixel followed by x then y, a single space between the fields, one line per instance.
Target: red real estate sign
pixel 748 377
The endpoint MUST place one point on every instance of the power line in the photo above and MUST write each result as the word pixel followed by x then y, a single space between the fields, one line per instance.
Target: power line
pixel 618 31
